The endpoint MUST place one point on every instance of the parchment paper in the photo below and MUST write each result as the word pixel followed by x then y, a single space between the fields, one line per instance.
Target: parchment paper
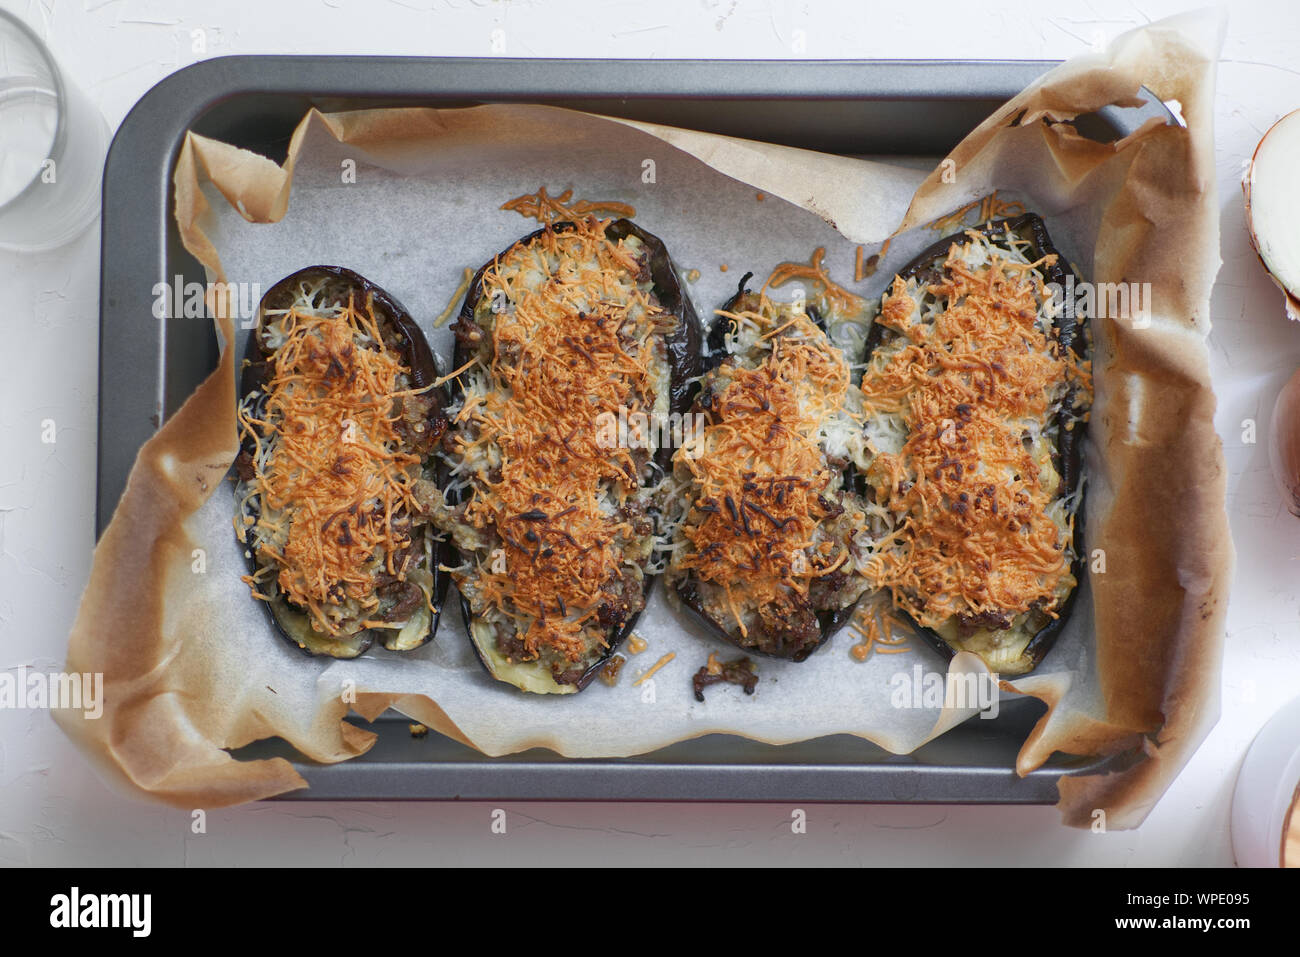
pixel 192 666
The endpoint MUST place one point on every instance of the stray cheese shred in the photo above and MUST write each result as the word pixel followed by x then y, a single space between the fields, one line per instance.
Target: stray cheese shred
pixel 875 626
pixel 564 208
pixel 838 300
pixel 989 208
pixel 650 673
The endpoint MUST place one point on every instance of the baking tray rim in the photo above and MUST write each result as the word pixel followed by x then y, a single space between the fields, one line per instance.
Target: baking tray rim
pixel 200 87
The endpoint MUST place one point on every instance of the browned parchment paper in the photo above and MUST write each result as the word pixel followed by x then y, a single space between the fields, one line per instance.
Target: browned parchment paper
pixel 190 670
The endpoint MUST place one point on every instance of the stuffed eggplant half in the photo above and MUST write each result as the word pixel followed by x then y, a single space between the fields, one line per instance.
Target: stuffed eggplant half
pixel 340 420
pixel 977 388
pixel 574 347
pixel 767 555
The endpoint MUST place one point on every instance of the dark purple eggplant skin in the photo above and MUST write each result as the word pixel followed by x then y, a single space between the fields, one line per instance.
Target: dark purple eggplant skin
pixel 928 267
pixel 715 344
pixel 831 620
pixel 683 347
pixel 416 355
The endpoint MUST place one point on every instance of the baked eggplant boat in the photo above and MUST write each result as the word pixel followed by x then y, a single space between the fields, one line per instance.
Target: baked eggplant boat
pixel 767 554
pixel 340 420
pixel 572 346
pixel 977 388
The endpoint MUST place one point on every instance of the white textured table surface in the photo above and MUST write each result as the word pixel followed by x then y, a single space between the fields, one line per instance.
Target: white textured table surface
pixel 53 808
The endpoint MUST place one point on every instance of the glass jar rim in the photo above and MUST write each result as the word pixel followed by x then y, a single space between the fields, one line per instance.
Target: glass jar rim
pixel 60 94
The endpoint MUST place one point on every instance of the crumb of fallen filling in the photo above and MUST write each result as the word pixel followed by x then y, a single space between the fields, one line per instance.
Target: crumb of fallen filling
pixel 612 669
pixel 738 672
pixel 418 730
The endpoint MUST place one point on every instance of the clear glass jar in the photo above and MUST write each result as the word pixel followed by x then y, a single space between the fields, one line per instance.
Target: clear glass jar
pixel 52 146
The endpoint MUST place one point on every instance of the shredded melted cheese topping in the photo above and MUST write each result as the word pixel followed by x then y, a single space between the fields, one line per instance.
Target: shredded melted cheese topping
pixel 564 208
pixel 760 482
pixel 326 509
pixel 844 313
pixel 837 300
pixel 874 624
pixel 989 208
pixel 971 499
pixel 574 336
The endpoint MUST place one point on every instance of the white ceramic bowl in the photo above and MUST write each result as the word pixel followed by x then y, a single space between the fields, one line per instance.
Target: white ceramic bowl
pixel 1266 789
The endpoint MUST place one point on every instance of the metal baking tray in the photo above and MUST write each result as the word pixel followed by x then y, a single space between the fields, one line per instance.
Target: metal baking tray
pixel 148 367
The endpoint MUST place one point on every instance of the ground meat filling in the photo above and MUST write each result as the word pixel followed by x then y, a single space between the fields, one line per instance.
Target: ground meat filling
pixel 738 672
